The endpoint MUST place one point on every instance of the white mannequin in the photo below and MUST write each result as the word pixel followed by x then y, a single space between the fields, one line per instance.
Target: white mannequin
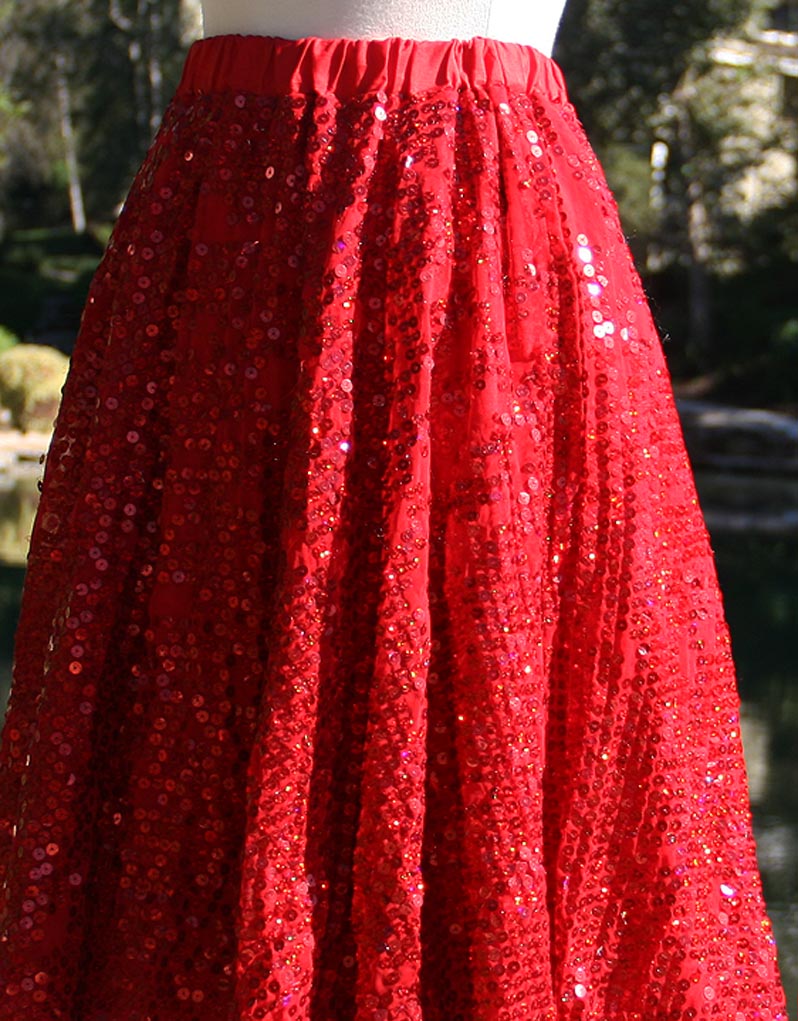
pixel 533 24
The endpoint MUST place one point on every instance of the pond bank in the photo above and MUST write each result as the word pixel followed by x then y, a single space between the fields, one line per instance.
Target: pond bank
pixel 18 450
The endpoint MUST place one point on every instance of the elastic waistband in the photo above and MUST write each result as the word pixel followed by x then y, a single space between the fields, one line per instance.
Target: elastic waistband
pixel 270 65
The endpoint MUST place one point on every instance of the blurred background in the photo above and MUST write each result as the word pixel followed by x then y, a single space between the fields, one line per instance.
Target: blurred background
pixel 693 109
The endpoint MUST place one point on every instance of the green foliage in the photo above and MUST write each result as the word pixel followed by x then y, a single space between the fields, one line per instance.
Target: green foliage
pixel 31 381
pixel 7 339
pixel 628 172
pixel 785 340
pixel 620 56
pixel 39 267
pixel 718 251
pixel 120 61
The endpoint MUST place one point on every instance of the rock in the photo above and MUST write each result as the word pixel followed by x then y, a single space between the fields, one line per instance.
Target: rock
pixel 739 439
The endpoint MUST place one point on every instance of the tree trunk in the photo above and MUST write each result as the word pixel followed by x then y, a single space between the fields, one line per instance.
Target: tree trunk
pixel 76 205
pixel 138 58
pixel 699 291
pixel 154 66
pixel 699 232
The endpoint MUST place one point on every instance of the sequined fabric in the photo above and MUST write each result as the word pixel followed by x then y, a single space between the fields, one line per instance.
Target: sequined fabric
pixel 372 664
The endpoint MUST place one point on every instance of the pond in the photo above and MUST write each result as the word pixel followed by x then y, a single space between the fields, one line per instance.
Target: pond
pixel 758 571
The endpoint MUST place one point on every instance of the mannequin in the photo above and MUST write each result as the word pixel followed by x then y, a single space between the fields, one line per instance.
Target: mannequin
pixel 533 25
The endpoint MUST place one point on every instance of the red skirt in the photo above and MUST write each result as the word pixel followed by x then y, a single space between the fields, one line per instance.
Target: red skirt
pixel 371 663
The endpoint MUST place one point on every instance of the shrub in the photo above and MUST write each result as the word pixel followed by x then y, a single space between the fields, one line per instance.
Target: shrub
pixel 32 377
pixel 7 338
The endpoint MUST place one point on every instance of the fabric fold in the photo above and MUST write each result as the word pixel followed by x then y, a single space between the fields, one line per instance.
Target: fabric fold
pixel 372 664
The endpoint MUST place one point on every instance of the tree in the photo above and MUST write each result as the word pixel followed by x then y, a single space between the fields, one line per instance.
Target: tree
pixel 686 105
pixel 111 65
pixel 620 57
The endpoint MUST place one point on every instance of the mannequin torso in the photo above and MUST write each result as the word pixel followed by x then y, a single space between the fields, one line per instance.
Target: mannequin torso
pixel 534 24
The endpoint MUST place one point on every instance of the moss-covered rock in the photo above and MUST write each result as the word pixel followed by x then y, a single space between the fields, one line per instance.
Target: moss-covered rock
pixel 32 377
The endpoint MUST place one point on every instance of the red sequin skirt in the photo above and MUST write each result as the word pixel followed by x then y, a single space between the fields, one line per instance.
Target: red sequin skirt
pixel 371 663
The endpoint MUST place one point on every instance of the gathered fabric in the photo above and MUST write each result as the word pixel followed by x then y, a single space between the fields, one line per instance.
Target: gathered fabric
pixel 372 664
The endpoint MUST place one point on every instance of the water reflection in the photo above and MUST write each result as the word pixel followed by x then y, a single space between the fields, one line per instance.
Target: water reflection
pixel 19 497
pixel 758 573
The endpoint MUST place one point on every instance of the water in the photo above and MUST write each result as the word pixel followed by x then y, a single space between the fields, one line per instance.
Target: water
pixel 759 579
pixel 758 572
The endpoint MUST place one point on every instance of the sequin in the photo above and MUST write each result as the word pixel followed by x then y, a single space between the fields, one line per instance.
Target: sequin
pixel 371 662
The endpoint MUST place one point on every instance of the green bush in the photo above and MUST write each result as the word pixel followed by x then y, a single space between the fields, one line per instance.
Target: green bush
pixel 32 377
pixel 785 341
pixel 7 338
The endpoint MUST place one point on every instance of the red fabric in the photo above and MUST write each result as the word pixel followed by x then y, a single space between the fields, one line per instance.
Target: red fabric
pixel 350 68
pixel 372 664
